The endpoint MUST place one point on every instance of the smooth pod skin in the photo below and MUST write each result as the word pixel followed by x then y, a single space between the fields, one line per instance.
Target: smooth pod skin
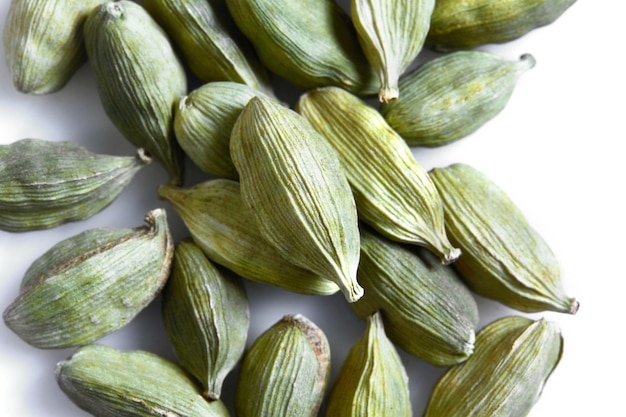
pixel 503 258
pixel 310 43
pixel 107 382
pixel 213 47
pixel 43 42
pixel 450 97
pixel 468 24
pixel 140 78
pixel 44 184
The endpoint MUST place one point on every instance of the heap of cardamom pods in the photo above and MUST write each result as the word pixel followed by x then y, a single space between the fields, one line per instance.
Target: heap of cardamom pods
pixel 318 196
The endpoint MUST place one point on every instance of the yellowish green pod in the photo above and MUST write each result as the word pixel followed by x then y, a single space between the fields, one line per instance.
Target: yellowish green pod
pixel 310 43
pixel 503 257
pixel 107 382
pixel 450 97
pixel 468 24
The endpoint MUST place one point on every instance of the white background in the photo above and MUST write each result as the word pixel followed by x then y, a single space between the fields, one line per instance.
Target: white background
pixel 557 150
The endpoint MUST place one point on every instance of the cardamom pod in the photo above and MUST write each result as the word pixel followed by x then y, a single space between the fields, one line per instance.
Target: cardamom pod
pixel 285 371
pixel 227 232
pixel 204 120
pixel 450 97
pixel 44 184
pixel 392 33
pixel 291 179
pixel 393 193
pixel 205 311
pixel 310 43
pixel 211 43
pixel 107 382
pixel 372 381
pixel 468 24
pixel 43 42
pixel 504 258
pixel 426 309
pixel 140 79
pixel 72 297
pixel 514 358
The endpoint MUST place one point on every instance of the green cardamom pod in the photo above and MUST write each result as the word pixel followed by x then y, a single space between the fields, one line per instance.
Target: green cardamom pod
pixel 468 24
pixel 393 193
pixel 211 43
pixel 205 311
pixel 426 308
pixel 72 297
pixel 392 33
pixel 513 360
pixel 226 231
pixel 44 184
pixel 372 381
pixel 293 182
pixel 140 79
pixel 310 43
pixel 504 258
pixel 107 382
pixel 285 371
pixel 204 120
pixel 450 97
pixel 43 42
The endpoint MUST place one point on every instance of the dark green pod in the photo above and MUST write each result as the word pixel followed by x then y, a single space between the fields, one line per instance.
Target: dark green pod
pixel 44 184
pixel 452 96
pixel 503 257
pixel 468 24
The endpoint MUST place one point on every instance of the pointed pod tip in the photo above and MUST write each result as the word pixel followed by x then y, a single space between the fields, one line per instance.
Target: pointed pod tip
pixel 388 93
pixel 529 60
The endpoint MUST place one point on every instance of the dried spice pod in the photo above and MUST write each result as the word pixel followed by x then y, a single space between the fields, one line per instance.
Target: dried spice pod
pixel 291 179
pixel 464 25
pixel 392 33
pixel 107 382
pixel 211 43
pixel 226 231
pixel 44 184
pixel 204 120
pixel 426 308
pixel 285 371
pixel 72 297
pixel 310 43
pixel 504 258
pixel 206 315
pixel 140 78
pixel 43 42
pixel 372 381
pixel 450 97
pixel 513 360
pixel 393 193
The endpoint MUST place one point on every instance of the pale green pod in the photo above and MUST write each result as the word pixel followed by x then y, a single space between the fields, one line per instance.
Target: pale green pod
pixel 372 381
pixel 209 40
pixel 140 79
pixel 392 33
pixel 450 97
pixel 44 184
pixel 80 296
pixel 291 179
pixel 206 315
pixel 426 308
pixel 310 43
pixel 43 42
pixel 107 382
pixel 393 193
pixel 468 24
pixel 204 120
pixel 285 371
pixel 504 258
pixel 227 232
pixel 505 376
